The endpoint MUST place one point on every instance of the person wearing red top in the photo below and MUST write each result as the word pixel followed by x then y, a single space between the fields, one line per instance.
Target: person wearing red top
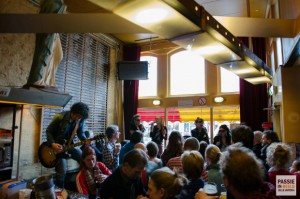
pixel 91 174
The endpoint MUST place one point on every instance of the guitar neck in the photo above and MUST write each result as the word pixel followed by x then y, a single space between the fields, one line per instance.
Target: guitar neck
pixel 68 147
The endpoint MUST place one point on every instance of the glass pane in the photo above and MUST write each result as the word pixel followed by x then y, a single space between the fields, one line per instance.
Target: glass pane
pixel 229 115
pixel 187 74
pixel 230 82
pixel 183 119
pixel 149 87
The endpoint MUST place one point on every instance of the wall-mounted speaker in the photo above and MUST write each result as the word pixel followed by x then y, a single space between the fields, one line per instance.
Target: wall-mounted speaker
pixel 132 70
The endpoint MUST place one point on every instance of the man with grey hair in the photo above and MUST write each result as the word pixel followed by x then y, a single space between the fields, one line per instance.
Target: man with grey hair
pixel 125 182
pixel 257 143
pixel 111 149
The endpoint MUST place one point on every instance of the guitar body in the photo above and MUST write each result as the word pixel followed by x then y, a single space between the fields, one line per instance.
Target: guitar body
pixel 47 155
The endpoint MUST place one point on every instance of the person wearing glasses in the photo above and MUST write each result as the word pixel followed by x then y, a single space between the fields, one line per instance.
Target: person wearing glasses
pixel 223 139
pixel 136 124
pixel 200 132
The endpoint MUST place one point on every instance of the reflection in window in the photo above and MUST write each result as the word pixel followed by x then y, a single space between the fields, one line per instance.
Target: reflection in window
pixel 187 73
pixel 149 87
pixel 230 82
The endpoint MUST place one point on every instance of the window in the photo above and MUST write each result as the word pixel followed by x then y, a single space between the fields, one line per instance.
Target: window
pixel 229 81
pixel 148 88
pixel 187 74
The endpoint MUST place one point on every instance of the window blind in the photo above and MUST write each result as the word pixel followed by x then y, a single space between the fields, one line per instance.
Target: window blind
pixel 83 73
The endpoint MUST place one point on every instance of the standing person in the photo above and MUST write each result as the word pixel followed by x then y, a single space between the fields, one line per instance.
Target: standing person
pixel 223 139
pixel 111 150
pixel 200 132
pixel 92 173
pixel 67 126
pixel 159 133
pixel 125 181
pixel 136 124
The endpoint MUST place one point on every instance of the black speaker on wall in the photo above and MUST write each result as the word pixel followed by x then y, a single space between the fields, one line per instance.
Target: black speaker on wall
pixel 132 70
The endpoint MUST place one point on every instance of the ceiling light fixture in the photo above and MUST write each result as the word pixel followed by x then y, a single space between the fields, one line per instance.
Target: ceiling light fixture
pixel 190 26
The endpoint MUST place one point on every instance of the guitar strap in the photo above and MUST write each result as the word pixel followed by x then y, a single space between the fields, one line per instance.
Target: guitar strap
pixel 74 131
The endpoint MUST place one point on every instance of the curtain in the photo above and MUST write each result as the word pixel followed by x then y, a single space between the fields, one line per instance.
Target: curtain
pixel 254 98
pixel 131 88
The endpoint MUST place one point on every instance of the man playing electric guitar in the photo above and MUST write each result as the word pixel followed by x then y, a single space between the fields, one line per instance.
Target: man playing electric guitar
pixel 67 126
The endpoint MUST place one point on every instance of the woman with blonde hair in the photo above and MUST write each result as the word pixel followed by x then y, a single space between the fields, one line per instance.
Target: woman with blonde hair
pixel 212 157
pixel 192 166
pixel 159 133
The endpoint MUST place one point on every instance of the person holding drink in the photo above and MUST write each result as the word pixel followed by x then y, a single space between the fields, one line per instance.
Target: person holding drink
pixel 111 149
pixel 92 173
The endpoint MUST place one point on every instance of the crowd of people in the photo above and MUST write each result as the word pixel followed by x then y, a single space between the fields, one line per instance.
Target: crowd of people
pixel 239 162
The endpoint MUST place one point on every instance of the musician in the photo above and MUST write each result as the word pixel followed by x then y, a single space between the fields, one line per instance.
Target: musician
pixel 92 173
pixel 67 126
pixel 200 132
pixel 136 124
pixel 158 134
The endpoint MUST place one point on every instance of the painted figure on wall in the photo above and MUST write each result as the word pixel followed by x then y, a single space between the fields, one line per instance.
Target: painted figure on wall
pixel 48 51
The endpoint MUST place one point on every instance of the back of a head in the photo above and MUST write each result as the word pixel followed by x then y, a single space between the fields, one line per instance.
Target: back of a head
pixel 175 142
pixel 135 157
pixel 243 134
pixel 242 169
pixel 191 143
pixel 279 156
pixel 152 149
pixel 168 180
pixel 80 108
pixel 192 164
pixel 110 130
pixel 213 153
pixel 257 136
pixel 271 135
pixel 203 146
pixel 136 137
pixel 141 146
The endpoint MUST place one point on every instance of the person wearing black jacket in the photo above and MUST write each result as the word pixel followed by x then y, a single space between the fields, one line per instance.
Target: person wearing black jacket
pixel 200 132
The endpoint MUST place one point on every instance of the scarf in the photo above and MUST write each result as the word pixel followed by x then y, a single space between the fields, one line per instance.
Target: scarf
pixel 90 179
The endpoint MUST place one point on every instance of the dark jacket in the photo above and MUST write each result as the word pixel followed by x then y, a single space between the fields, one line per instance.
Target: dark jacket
pixel 61 128
pixel 200 134
pixel 117 187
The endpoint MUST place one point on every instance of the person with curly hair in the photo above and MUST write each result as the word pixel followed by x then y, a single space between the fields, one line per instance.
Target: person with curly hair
pixel 64 128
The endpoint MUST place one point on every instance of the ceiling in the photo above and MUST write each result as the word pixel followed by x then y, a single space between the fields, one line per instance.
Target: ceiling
pixel 232 8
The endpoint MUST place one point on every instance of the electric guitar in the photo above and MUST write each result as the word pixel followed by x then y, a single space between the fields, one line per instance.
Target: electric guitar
pixel 49 157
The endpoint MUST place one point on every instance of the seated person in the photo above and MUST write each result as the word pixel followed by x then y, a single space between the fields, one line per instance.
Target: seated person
pixel 125 181
pixel 154 162
pixel 135 138
pixel 242 175
pixel 91 174
pixel 295 168
pixel 164 183
pixel 192 165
